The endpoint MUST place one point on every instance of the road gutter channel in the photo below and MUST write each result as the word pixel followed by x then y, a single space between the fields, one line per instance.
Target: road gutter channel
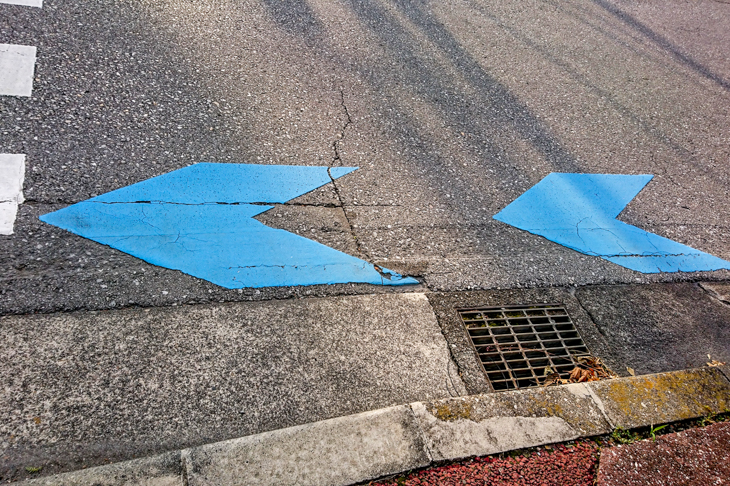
pixel 366 446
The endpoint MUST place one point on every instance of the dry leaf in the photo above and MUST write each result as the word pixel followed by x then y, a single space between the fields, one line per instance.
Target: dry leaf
pixel 575 374
pixel 631 371
pixel 714 362
pixel 584 376
pixel 551 379
pixel 589 368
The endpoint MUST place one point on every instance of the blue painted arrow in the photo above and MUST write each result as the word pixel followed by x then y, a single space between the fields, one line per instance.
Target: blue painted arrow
pixel 199 220
pixel 579 211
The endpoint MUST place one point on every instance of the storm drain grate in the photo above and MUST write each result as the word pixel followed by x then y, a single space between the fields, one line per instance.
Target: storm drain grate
pixel 519 346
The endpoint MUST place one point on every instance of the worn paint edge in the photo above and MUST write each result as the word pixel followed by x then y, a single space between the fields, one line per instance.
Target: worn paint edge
pixel 12 177
pixel 25 3
pixel 160 470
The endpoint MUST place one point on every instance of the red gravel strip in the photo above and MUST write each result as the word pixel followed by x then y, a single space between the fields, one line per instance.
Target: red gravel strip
pixel 563 466
pixel 693 457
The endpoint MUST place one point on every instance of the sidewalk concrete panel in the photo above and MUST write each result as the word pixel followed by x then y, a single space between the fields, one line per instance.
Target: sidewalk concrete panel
pixel 661 327
pixel 89 387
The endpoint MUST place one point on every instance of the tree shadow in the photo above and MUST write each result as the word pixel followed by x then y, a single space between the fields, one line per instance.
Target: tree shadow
pixel 295 17
pixel 489 109
pixel 663 43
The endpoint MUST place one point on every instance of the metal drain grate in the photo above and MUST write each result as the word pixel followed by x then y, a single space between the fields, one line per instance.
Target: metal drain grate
pixel 516 344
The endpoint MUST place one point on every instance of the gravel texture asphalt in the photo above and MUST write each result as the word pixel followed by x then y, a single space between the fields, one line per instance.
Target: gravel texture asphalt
pixel 450 110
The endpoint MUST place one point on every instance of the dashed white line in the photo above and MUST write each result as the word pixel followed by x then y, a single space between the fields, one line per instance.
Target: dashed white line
pixel 27 3
pixel 17 64
pixel 12 174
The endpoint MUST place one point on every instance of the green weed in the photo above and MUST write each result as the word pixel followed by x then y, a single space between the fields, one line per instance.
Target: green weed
pixel 654 430
pixel 623 436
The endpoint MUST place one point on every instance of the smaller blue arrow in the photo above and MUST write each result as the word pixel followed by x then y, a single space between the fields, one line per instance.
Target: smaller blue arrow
pixel 579 211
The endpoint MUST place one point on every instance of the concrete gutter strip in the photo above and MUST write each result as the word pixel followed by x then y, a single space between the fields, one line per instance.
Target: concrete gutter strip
pixel 666 397
pixel 161 470
pixel 338 451
pixel 332 452
pixel 488 424
pixel 369 445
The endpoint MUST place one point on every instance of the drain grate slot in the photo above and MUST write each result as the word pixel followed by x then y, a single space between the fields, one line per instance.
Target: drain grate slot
pixel 516 344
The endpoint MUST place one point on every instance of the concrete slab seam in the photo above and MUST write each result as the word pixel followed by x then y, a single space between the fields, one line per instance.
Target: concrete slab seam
pixel 452 358
pixel 421 433
pixel 599 404
pixel 713 294
pixel 452 364
pixel 185 463
pixel 725 370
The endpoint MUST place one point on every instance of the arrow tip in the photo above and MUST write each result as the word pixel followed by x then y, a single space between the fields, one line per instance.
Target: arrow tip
pixel 337 172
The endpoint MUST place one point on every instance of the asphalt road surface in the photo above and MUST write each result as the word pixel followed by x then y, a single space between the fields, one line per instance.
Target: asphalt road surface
pixel 451 111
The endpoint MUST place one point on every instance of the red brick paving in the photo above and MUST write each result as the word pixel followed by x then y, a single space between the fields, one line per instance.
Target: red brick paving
pixel 698 457
pixel 563 466
pixel 694 457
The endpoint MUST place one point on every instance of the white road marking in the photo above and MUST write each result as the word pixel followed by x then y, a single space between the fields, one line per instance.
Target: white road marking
pixel 12 173
pixel 17 64
pixel 27 3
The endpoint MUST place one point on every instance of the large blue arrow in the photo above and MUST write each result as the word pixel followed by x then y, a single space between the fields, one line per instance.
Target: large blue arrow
pixel 579 211
pixel 199 220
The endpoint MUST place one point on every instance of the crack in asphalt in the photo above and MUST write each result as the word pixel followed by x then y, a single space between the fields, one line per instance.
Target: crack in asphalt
pixel 337 161
pixel 599 328
pixel 341 135
pixel 652 255
pixel 713 295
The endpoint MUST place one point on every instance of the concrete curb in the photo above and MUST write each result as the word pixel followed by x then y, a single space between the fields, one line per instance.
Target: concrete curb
pixel 369 445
